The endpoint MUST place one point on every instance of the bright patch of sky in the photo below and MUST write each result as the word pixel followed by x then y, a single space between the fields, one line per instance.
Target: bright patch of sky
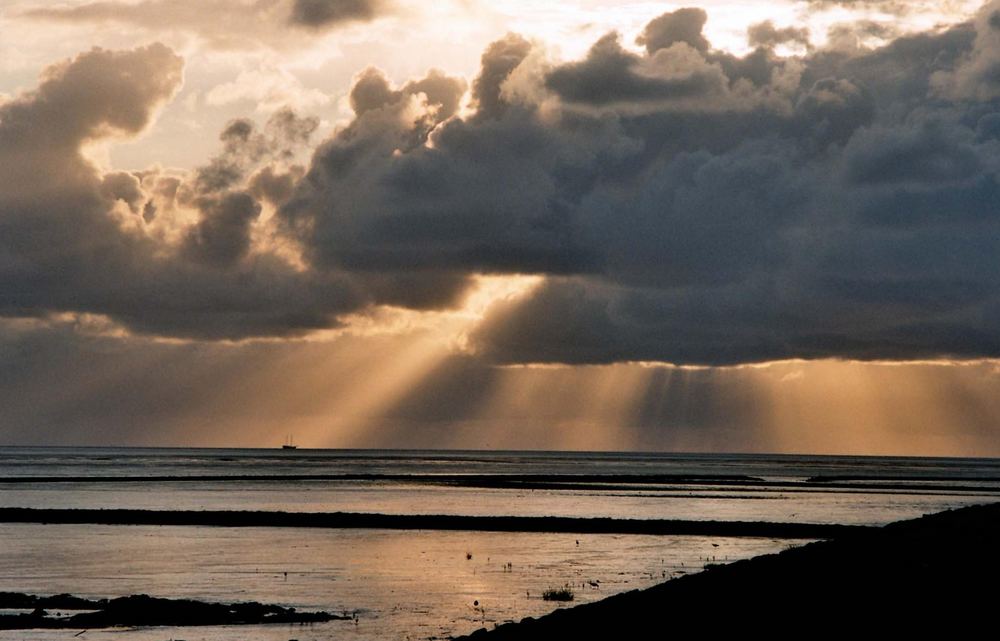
pixel 260 71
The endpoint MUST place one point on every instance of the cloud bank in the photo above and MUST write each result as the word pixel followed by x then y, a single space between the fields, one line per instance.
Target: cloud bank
pixel 684 204
pixel 77 240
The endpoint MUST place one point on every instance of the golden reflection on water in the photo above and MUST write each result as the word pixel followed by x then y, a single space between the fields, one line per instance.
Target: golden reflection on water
pixel 402 583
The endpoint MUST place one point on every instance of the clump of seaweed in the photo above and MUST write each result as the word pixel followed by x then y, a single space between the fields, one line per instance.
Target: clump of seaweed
pixel 141 610
pixel 558 594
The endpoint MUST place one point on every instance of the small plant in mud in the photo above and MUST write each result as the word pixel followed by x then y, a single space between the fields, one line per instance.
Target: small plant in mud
pixel 558 594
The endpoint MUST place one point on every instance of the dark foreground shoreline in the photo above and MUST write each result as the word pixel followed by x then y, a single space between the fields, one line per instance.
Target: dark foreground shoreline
pixel 344 520
pixel 937 575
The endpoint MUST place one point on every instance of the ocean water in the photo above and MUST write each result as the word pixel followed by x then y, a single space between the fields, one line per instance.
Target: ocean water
pixel 418 584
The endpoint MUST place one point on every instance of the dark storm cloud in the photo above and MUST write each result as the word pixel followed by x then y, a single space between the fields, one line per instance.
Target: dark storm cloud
pixel 98 93
pixel 611 76
pixel 929 153
pixel 372 91
pixel 684 204
pixel 689 205
pixel 126 187
pixel 67 246
pixel 323 13
pixel 978 77
pixel 222 236
pixel 275 186
pixel 442 210
pixel 499 60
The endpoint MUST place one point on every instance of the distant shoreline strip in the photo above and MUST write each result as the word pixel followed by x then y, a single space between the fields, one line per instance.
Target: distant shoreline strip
pixel 457 479
pixel 352 520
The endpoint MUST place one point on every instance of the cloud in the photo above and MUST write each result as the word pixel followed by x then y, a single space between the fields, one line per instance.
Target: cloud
pixel 978 76
pixel 687 205
pixel 611 76
pixel 850 36
pixel 499 61
pixel 67 245
pixel 222 236
pixel 684 25
pixel 318 14
pixel 892 7
pixel 223 23
pixel 920 156
pixel 99 93
pixel 244 148
pixel 268 90
pixel 275 186
pixel 372 91
pixel 765 34
pixel 682 204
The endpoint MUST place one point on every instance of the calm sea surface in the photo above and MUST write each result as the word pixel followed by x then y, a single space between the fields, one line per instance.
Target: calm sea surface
pixel 422 584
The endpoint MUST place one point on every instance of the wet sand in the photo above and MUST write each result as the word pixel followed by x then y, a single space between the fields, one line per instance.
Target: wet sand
pixel 934 575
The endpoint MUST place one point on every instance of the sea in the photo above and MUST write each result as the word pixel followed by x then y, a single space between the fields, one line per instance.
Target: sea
pixel 424 584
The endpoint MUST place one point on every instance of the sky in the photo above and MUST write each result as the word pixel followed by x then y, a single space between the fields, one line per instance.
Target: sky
pixel 734 226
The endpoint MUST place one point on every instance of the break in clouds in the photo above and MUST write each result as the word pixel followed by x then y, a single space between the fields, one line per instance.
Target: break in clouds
pixel 224 23
pixel 683 204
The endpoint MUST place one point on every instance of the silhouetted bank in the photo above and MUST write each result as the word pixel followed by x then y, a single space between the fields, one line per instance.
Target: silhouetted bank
pixel 527 481
pixel 340 520
pixel 580 482
pixel 141 610
pixel 936 575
